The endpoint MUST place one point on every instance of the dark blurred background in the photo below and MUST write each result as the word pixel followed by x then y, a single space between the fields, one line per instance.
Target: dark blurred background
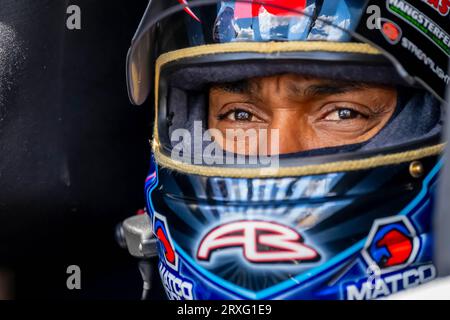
pixel 74 152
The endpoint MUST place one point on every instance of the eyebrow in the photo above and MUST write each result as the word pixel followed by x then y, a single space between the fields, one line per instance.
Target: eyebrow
pixel 327 88
pixel 240 87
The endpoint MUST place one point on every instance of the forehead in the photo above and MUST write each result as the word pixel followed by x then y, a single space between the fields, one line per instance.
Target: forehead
pixel 292 83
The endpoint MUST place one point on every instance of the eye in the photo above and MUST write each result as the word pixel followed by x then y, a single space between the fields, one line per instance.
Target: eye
pixel 341 114
pixel 239 115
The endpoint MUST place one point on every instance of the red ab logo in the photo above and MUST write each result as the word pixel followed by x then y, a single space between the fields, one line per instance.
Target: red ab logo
pixel 261 241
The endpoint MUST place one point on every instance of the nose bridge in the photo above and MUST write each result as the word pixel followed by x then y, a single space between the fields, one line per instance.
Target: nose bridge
pixel 292 130
pixel 286 116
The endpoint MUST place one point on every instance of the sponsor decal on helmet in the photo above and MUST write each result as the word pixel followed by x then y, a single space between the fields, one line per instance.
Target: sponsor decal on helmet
pixel 261 242
pixel 392 244
pixel 177 287
pixel 167 251
pixel 391 247
pixel 422 56
pixel 391 31
pixel 441 6
pixel 390 283
pixel 421 22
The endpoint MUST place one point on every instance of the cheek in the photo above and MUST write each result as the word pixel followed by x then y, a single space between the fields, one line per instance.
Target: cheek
pixel 212 122
pixel 248 139
pixel 212 114
pixel 250 142
pixel 349 132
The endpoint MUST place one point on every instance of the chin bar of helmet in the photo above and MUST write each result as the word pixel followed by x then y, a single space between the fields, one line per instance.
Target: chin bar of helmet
pixel 135 234
pixel 442 218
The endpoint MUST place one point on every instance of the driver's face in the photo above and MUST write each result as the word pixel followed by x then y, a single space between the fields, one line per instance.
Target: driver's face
pixel 310 113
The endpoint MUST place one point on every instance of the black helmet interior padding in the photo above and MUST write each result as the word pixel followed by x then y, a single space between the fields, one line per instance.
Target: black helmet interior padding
pixel 201 76
pixel 418 114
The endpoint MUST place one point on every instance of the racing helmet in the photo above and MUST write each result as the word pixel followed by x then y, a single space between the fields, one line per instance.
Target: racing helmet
pixel 342 222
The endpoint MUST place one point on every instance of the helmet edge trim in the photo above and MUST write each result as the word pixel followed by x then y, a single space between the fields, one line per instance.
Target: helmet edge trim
pixel 332 167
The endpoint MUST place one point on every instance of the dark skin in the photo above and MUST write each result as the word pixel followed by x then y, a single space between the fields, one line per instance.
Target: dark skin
pixel 310 113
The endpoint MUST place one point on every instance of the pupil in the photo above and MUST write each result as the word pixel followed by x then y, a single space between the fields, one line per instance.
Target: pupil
pixel 346 114
pixel 242 115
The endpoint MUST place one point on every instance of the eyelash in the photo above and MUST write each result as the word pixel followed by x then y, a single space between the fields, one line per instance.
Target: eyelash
pixel 225 115
pixel 341 108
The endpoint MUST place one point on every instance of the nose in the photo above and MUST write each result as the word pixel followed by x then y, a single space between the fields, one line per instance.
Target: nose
pixel 293 132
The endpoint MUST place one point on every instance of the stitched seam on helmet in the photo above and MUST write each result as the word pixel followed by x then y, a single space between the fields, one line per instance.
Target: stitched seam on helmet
pixel 267 47
pixel 332 167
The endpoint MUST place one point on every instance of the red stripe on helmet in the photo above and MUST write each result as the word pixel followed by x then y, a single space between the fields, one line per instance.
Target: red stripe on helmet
pixel 283 8
pixel 188 10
